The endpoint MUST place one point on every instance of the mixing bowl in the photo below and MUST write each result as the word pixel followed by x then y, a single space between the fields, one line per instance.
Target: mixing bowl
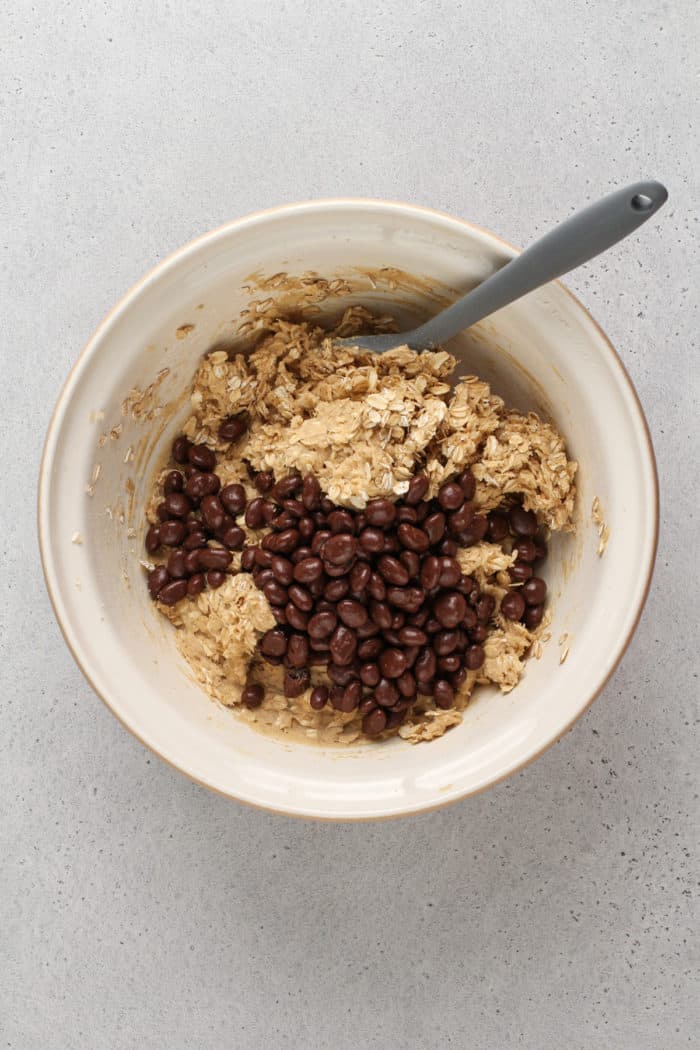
pixel 127 396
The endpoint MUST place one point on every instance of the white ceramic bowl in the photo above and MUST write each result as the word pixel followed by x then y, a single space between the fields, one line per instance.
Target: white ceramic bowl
pixel 544 352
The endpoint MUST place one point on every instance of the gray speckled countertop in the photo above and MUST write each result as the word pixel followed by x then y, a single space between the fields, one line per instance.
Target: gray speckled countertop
pixel 138 910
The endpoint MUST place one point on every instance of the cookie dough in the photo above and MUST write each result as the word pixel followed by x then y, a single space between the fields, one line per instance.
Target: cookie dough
pixel 363 424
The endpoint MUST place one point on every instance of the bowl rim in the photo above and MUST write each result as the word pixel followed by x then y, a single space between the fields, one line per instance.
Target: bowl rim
pixel 122 304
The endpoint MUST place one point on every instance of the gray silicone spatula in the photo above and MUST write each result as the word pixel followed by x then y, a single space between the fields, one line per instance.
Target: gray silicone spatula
pixel 576 240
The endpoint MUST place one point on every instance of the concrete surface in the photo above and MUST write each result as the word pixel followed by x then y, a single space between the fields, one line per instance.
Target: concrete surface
pixel 137 910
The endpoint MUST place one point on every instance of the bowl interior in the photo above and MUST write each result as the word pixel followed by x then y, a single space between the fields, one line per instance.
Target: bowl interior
pixel 124 402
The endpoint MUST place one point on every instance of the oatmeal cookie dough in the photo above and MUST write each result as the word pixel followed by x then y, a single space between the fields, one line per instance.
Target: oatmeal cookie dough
pixel 219 631
pixel 364 425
